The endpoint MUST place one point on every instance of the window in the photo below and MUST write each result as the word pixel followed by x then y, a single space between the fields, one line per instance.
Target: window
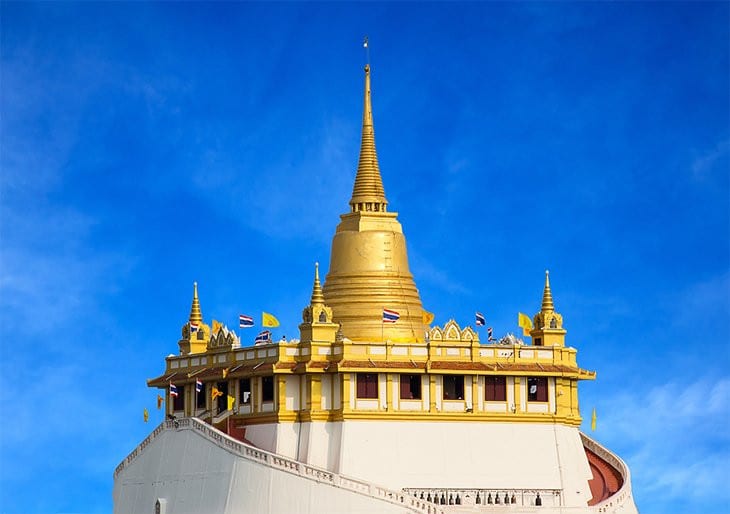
pixel 267 389
pixel 537 389
pixel 178 402
pixel 200 398
pixel 538 341
pixel 410 387
pixel 367 385
pixel 222 401
pixel 495 389
pixel 453 387
pixel 244 391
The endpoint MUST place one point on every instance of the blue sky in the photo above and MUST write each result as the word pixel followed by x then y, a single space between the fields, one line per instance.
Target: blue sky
pixel 146 146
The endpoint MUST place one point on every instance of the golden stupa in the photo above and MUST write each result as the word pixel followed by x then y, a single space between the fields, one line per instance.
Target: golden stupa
pixel 369 263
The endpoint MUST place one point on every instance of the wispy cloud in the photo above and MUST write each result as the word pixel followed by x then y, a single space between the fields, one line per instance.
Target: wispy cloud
pixel 704 164
pixel 426 272
pixel 673 436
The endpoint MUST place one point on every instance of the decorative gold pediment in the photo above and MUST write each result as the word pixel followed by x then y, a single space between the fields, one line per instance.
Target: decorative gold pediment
pixel 223 339
pixel 468 334
pixel 452 331
pixel 436 334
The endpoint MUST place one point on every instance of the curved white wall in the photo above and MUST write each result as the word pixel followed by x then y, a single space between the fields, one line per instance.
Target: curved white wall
pixel 195 475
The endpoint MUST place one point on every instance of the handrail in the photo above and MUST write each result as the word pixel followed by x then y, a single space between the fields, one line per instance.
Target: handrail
pixel 280 462
pixel 624 493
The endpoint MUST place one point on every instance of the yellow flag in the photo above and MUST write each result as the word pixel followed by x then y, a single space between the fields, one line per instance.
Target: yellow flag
pixel 146 415
pixel 593 420
pixel 428 317
pixel 225 372
pixel 160 401
pixel 215 393
pixel 217 325
pixel 269 320
pixel 525 322
pixel 231 401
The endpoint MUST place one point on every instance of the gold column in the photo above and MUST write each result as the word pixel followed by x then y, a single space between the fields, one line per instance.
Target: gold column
pixel 432 393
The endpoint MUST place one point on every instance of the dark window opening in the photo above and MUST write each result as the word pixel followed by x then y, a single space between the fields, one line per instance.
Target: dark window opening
pixel 538 341
pixel 410 387
pixel 367 385
pixel 495 389
pixel 537 390
pixel 244 391
pixel 453 387
pixel 178 402
pixel 222 400
pixel 267 389
pixel 200 398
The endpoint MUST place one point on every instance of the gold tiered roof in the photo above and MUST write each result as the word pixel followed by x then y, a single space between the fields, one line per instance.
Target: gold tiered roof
pixel 369 268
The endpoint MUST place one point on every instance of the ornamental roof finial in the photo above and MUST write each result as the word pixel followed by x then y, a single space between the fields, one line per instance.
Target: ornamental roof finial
pixel 195 314
pixel 547 296
pixel 317 296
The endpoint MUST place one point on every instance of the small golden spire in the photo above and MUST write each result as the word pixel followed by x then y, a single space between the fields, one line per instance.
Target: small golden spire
pixel 317 296
pixel 195 314
pixel 368 187
pixel 547 296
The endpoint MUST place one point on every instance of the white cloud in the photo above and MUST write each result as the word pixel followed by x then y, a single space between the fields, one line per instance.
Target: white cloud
pixel 673 436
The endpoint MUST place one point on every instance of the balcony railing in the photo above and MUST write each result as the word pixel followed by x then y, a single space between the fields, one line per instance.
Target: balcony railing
pixel 486 497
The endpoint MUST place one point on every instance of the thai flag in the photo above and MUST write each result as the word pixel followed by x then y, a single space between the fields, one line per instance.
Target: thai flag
pixel 245 321
pixel 489 334
pixel 198 386
pixel 194 326
pixel 173 390
pixel 263 337
pixel 481 321
pixel 390 316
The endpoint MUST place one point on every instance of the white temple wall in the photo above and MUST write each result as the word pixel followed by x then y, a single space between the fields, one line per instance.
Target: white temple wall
pixel 292 393
pixel 324 444
pixel 499 455
pixel 263 436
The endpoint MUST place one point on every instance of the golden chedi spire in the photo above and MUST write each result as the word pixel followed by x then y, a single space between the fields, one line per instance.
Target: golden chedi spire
pixel 195 315
pixel 317 296
pixel 548 324
pixel 368 192
pixel 317 324
pixel 369 268
pixel 547 295
pixel 195 333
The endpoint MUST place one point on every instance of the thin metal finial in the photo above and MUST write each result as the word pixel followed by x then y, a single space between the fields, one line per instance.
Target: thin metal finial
pixel 366 46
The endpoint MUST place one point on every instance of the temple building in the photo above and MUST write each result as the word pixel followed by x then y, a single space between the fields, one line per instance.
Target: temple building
pixel 372 408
